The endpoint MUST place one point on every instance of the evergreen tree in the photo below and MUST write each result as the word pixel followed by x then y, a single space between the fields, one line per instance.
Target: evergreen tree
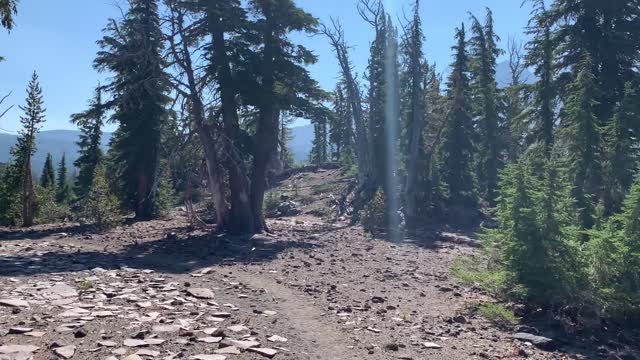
pixel 540 57
pixel 20 178
pixel 48 178
pixel 582 138
pixel 535 239
pixel 484 52
pixel 318 155
pixel 457 148
pixel 621 151
pixel 90 153
pixel 414 109
pixel 341 128
pixel 101 207
pixel 608 33
pixel 63 191
pixel 131 50
pixel 8 9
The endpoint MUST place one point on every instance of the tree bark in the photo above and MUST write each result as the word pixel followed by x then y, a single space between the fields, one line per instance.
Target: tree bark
pixel 241 219
pixel 28 195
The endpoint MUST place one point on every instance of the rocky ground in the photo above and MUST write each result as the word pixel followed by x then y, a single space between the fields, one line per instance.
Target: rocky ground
pixel 313 290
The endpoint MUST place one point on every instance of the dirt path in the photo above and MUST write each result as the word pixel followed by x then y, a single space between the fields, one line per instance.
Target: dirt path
pixel 304 318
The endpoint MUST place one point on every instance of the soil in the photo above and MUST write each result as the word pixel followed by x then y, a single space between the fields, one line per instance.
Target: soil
pixel 325 289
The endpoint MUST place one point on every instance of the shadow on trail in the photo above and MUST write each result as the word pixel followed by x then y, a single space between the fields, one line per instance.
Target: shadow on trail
pixel 37 233
pixel 167 255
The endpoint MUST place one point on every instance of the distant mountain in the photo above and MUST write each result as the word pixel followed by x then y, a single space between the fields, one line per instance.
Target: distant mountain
pixel 301 142
pixel 55 142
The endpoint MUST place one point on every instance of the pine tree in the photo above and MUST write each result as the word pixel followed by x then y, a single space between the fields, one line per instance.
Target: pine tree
pixel 457 148
pixel 621 152
pixel 414 109
pixel 582 138
pixel 484 52
pixel 318 155
pixel 21 173
pixel 341 128
pixel 101 207
pixel 131 50
pixel 63 191
pixel 48 178
pixel 90 153
pixel 535 239
pixel 540 57
pixel 8 9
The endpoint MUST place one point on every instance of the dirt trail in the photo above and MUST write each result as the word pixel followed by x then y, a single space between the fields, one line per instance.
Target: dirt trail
pixel 304 318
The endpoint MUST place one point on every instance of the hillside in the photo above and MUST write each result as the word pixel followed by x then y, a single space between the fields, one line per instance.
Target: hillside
pixel 55 142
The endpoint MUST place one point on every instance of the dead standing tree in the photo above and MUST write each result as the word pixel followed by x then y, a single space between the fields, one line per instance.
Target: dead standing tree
pixel 366 182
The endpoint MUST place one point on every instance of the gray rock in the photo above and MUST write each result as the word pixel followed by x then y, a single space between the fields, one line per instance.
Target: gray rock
pixel 539 341
pixel 14 303
pixel 66 352
pixel 270 353
pixel 200 293
pixel 12 349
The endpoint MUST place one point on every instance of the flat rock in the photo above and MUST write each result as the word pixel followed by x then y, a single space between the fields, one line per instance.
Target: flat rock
pixel 238 328
pixel 165 329
pixel 539 341
pixel 65 352
pixel 276 338
pixel 431 345
pixel 155 341
pixel 200 293
pixel 19 330
pixel 264 352
pixel 148 353
pixel 242 344
pixel 12 349
pixel 207 357
pixel 228 350
pixel 133 357
pixel 60 290
pixel 35 333
pixel 14 303
pixel 135 343
pixel 210 340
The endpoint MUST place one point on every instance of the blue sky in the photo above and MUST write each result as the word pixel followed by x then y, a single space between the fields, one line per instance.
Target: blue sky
pixel 57 39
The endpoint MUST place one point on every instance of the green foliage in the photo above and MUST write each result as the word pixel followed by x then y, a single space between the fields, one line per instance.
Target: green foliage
pixel 498 314
pixel 375 212
pixel 90 153
pixel 49 210
pixel 63 190
pixel 535 242
pixel 271 203
pixel 341 128
pixel 478 271
pixel 614 252
pixel 484 87
pixel 457 148
pixel 101 207
pixel 583 143
pixel 131 50
pixel 48 178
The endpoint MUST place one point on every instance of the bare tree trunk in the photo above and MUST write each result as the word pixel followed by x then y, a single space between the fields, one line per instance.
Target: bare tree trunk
pixel 336 37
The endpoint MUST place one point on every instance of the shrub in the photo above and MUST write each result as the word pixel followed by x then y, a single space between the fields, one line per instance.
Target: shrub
pixel 374 213
pixel 498 314
pixel 271 203
pixel 101 207
pixel 48 210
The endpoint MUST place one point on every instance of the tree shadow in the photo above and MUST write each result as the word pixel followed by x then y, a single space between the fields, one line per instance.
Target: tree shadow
pixel 44 231
pixel 167 255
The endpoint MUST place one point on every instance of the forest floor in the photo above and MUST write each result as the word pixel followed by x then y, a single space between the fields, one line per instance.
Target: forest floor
pixel 312 290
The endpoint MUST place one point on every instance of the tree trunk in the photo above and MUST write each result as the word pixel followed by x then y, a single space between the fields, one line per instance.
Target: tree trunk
pixel 266 137
pixel 28 195
pixel 241 219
